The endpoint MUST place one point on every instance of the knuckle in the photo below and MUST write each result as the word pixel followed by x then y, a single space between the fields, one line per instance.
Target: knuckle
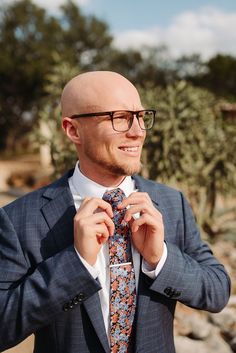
pixel 145 194
pixel 145 216
pixel 105 216
pixel 81 222
pixel 128 211
pixel 159 215
pixel 77 218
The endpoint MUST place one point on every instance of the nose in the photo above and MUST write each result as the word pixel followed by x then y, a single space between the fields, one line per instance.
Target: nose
pixel 135 130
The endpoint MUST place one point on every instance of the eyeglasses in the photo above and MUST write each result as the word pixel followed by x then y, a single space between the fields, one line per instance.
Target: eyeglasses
pixel 122 120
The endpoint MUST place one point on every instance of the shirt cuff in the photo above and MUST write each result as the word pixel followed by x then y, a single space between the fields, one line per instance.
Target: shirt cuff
pixel 153 273
pixel 91 269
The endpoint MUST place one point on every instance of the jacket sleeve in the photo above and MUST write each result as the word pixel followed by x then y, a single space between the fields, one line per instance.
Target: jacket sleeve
pixel 192 274
pixel 30 299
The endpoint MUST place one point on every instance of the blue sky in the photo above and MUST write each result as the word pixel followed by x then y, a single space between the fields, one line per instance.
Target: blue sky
pixel 205 27
pixel 129 14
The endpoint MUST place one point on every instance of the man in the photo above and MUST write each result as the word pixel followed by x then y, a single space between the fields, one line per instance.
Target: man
pixel 55 268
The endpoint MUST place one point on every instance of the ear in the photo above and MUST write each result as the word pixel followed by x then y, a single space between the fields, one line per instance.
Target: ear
pixel 71 129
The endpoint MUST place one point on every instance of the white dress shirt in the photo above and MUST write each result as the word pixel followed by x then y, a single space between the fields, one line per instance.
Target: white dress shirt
pixel 82 187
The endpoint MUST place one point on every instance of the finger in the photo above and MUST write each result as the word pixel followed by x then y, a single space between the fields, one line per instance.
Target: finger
pixel 107 221
pixel 102 218
pixel 135 198
pixel 140 209
pixel 145 219
pixel 102 233
pixel 90 205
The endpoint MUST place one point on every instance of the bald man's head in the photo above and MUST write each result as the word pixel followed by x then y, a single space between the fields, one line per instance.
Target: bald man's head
pixel 98 91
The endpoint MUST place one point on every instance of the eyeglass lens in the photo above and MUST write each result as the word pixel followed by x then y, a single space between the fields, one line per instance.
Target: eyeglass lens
pixel 122 120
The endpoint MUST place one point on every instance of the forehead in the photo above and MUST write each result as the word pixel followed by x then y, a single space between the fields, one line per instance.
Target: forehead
pixel 109 95
pixel 88 95
pixel 119 99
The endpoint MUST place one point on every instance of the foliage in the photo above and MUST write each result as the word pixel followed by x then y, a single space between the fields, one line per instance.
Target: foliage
pixel 190 146
pixel 85 39
pixel 149 65
pixel 218 74
pixel 49 130
pixel 26 43
pixel 221 76
pixel 188 67
pixel 29 39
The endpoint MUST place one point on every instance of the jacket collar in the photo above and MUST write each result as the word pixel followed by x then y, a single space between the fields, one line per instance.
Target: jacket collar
pixel 145 185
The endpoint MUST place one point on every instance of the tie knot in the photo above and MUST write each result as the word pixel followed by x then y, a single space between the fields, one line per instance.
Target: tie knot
pixel 114 197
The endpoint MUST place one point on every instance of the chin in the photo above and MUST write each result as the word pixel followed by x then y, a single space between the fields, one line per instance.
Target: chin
pixel 125 169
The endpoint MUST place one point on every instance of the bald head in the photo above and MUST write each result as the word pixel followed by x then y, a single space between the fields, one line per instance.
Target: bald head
pixel 98 91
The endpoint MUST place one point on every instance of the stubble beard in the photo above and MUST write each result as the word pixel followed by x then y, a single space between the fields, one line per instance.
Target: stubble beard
pixel 114 167
pixel 122 170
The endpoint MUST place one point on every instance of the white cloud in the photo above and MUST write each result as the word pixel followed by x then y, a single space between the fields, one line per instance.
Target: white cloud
pixel 207 31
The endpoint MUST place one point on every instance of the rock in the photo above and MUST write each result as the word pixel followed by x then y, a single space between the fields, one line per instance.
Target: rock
pixel 226 321
pixel 233 344
pixel 213 344
pixel 191 323
pixel 216 343
pixel 186 345
pixel 232 301
pixel 200 329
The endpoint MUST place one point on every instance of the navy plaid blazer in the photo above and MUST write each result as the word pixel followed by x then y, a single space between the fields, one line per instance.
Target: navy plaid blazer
pixel 46 290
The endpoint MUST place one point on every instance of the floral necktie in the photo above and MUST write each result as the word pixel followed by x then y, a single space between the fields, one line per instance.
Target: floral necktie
pixel 123 290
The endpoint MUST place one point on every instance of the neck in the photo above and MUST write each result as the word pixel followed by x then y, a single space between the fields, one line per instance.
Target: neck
pixel 105 179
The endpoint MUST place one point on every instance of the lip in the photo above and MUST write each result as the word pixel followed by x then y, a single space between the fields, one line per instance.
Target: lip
pixel 130 150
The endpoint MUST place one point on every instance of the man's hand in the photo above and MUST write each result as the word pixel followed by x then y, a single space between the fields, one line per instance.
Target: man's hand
pixel 92 227
pixel 148 229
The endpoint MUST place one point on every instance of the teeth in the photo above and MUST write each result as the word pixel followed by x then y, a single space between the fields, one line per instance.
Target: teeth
pixel 130 149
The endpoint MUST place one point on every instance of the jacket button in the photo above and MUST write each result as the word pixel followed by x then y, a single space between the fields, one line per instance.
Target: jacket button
pixel 177 294
pixel 75 301
pixel 66 307
pixel 80 297
pixel 169 291
pixel 172 292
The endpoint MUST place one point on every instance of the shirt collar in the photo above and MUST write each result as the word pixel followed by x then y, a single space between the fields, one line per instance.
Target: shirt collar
pixel 86 187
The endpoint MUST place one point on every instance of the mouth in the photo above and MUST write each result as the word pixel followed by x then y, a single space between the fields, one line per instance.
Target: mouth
pixel 130 150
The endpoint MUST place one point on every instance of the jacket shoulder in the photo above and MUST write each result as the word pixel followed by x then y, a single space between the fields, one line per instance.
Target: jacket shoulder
pixel 167 197
pixel 35 199
pixel 151 185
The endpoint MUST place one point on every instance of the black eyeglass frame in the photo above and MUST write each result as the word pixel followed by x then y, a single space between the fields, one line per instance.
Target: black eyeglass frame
pixel 111 113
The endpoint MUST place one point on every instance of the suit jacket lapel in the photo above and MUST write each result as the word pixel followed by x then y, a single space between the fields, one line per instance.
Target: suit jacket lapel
pixel 93 307
pixel 143 292
pixel 145 186
pixel 59 211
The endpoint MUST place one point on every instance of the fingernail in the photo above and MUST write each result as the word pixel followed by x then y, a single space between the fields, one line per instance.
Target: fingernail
pixel 124 223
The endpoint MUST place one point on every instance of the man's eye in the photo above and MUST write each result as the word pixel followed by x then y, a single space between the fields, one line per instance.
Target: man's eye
pixel 121 117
